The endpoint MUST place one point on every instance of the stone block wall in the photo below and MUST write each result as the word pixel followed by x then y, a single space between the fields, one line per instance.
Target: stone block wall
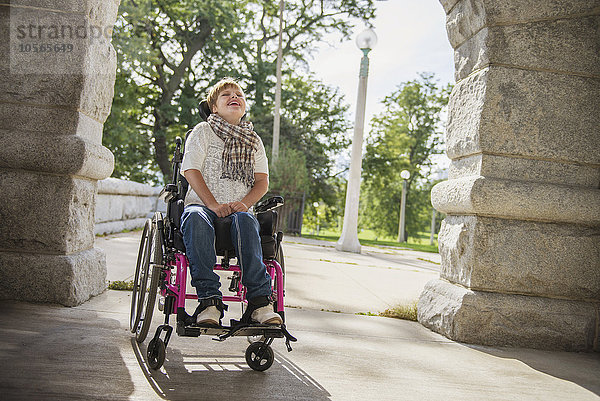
pixel 521 244
pixel 56 89
pixel 125 205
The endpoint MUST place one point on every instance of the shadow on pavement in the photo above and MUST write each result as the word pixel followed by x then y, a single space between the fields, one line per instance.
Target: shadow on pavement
pixel 49 352
pixel 579 368
pixel 395 258
pixel 187 376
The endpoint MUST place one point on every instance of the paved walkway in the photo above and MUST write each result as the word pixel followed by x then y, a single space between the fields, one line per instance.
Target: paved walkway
pixel 319 277
pixel 87 352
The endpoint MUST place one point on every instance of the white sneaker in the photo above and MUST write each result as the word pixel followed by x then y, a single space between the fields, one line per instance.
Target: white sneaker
pixel 211 315
pixel 265 315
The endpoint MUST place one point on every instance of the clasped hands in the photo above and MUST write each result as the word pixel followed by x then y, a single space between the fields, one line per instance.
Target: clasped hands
pixel 225 209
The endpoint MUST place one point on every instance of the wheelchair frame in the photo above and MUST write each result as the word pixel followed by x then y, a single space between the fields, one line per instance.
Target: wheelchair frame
pixel 162 264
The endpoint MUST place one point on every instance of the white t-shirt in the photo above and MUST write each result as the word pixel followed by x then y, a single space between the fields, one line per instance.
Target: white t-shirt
pixel 204 152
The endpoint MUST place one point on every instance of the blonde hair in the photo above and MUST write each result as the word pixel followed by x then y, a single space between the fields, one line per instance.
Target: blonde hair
pixel 224 83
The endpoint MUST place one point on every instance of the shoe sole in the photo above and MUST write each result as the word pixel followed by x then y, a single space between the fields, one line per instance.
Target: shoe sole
pixel 273 320
pixel 207 322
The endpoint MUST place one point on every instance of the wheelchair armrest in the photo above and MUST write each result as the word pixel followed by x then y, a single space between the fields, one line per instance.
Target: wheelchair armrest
pixel 268 204
pixel 164 195
pixel 168 192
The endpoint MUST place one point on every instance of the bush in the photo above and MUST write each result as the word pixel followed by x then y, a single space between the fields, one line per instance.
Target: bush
pixel 120 285
pixel 406 311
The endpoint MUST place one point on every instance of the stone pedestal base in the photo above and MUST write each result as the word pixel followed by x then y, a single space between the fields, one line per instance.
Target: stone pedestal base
pixel 508 320
pixel 65 279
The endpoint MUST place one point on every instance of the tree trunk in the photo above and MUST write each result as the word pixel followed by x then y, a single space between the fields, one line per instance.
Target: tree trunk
pixel 161 153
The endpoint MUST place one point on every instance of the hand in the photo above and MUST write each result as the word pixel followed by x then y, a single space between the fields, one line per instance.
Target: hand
pixel 221 210
pixel 238 207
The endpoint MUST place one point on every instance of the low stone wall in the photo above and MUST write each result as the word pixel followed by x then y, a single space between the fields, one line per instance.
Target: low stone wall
pixel 124 205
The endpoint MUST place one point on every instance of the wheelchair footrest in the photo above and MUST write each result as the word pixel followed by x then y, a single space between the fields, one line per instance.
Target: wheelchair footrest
pixel 195 331
pixel 230 331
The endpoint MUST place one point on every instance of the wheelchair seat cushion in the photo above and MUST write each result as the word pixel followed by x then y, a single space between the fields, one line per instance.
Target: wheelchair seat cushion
pixel 224 244
pixel 269 246
pixel 223 236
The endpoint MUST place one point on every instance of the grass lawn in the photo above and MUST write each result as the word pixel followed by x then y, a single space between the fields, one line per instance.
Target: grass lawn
pixel 368 237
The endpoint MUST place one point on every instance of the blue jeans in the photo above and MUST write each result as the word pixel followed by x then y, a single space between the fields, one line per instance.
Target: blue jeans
pixel 199 237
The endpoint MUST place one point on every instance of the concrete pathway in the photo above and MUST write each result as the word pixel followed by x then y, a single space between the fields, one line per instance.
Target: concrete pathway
pixel 55 353
pixel 317 276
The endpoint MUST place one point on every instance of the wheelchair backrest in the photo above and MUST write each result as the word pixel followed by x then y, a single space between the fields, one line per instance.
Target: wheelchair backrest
pixel 183 184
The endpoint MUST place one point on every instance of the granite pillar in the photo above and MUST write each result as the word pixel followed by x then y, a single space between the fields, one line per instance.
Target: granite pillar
pixel 521 244
pixel 58 71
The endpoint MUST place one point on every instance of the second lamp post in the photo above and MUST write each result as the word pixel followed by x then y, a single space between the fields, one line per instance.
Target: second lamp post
pixel 405 175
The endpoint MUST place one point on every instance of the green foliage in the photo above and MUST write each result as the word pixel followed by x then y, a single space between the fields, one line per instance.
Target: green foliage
pixel 289 174
pixel 314 124
pixel 330 201
pixel 120 285
pixel 305 22
pixel 403 137
pixel 315 217
pixel 170 51
pixel 125 137
pixel 407 311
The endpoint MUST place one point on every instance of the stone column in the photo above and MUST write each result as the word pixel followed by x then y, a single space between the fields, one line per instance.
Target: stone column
pixel 520 246
pixel 57 70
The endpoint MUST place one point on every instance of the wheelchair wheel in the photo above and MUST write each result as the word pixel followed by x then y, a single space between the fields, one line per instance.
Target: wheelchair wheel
pixel 259 356
pixel 156 353
pixel 137 295
pixel 150 275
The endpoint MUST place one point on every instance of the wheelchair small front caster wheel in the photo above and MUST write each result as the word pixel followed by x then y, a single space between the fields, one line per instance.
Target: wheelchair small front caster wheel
pixel 156 353
pixel 254 339
pixel 259 356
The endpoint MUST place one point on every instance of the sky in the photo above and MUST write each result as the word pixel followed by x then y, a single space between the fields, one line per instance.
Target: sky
pixel 411 39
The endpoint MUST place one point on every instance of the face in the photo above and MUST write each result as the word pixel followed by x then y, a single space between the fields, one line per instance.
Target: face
pixel 230 104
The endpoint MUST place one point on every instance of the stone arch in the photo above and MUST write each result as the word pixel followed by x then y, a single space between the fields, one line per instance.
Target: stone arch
pixel 520 246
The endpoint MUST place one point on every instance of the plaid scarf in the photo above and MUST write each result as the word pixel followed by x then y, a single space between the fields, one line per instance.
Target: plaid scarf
pixel 240 144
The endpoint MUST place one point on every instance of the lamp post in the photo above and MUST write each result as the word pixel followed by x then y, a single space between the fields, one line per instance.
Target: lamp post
pixel 316 205
pixel 405 174
pixel 432 235
pixel 348 241
pixel 276 115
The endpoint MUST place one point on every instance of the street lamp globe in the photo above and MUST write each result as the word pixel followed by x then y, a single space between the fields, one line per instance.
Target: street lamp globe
pixel 367 39
pixel 405 174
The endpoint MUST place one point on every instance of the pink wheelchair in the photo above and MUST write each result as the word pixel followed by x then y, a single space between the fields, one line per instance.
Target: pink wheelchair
pixel 162 268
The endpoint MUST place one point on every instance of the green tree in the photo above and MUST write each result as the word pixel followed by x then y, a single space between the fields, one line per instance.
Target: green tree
pixel 289 174
pixel 403 137
pixel 305 22
pixel 124 136
pixel 170 51
pixel 314 122
pixel 330 203
pixel 165 50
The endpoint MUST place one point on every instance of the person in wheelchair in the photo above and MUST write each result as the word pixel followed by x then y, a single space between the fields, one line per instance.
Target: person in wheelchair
pixel 226 166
